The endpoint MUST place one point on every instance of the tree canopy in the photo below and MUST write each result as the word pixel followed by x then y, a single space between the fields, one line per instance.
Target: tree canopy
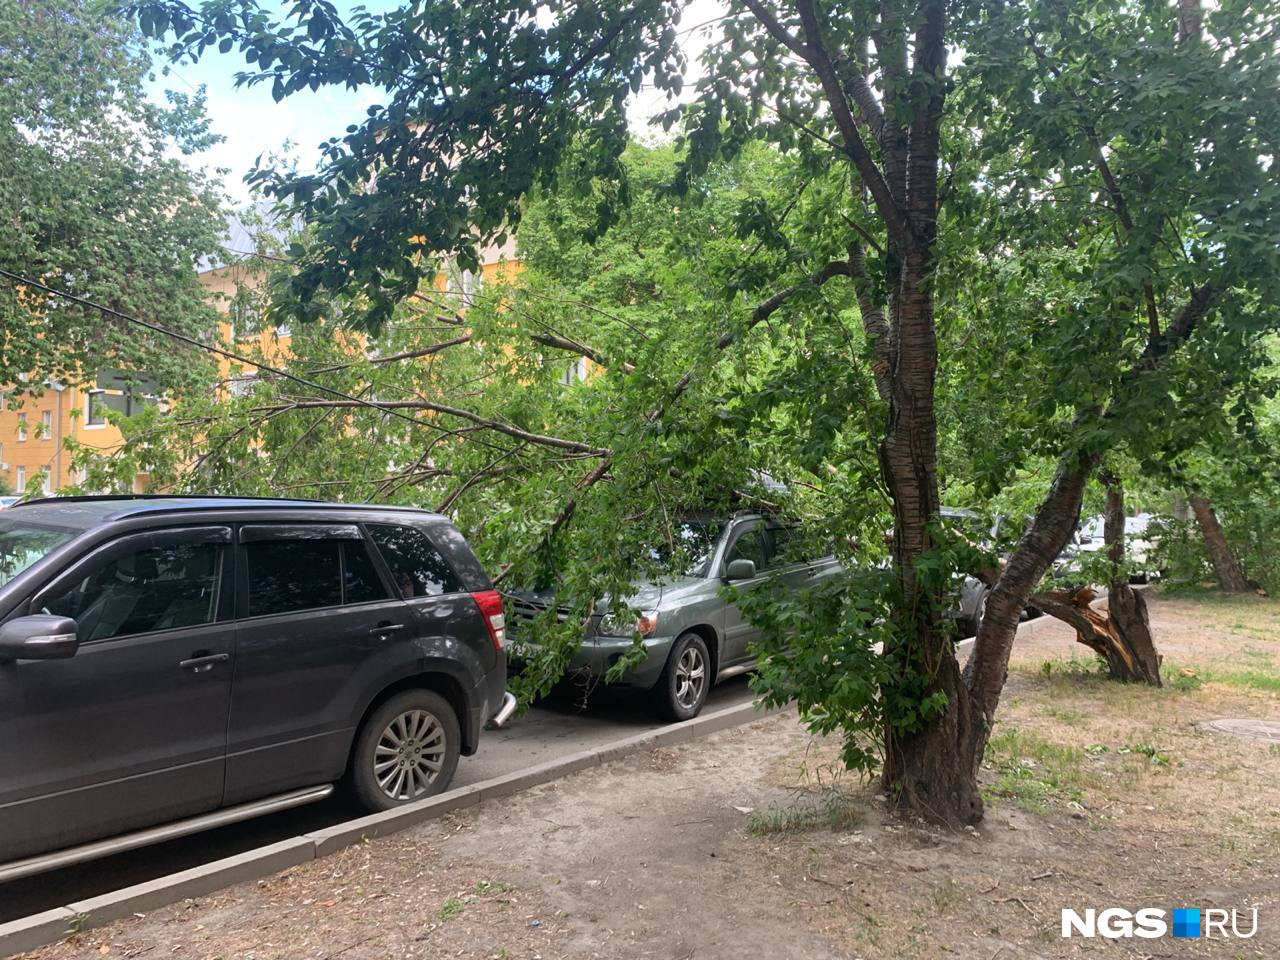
pixel 1004 231
pixel 97 197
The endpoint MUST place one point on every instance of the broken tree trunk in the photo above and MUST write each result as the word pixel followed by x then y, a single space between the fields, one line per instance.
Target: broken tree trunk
pixel 1129 651
pixel 1121 634
pixel 1230 577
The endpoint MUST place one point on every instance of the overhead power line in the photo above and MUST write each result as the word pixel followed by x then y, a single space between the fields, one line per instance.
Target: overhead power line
pixel 207 347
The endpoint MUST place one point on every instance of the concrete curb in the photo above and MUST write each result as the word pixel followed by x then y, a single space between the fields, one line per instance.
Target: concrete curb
pixel 35 931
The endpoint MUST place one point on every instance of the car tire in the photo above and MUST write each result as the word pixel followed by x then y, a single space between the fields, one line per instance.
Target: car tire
pixel 682 689
pixel 406 750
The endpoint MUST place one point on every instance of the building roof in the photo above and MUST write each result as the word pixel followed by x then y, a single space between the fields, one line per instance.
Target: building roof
pixel 244 231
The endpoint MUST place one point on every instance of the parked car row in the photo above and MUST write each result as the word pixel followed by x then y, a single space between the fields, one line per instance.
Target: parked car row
pixel 172 663
pixel 1090 539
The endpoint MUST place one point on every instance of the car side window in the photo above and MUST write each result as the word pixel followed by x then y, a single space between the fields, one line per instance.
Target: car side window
pixel 146 590
pixel 286 576
pixel 417 567
pixel 752 546
pixel 360 580
pixel 787 546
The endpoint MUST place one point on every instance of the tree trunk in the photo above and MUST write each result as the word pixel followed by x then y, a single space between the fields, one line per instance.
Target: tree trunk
pixel 1230 577
pixel 929 772
pixel 1120 636
pixel 929 765
pixel 1189 19
pixel 1050 529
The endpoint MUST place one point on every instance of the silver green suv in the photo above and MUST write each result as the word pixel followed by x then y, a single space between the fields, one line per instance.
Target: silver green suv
pixel 693 637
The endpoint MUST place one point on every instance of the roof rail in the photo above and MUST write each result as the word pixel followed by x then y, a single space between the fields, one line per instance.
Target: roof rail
pixel 126 497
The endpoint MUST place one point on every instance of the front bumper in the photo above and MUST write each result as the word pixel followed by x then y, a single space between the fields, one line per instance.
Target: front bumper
pixel 598 654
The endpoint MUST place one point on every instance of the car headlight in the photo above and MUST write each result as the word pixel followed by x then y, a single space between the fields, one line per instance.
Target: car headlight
pixel 621 624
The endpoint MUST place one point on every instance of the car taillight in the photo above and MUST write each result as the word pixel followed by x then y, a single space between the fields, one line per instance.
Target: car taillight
pixel 490 604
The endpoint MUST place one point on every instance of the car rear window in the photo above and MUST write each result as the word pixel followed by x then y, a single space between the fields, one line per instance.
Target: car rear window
pixel 286 576
pixel 417 567
pixel 361 582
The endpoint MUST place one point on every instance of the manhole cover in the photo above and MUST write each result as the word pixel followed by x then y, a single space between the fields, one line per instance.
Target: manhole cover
pixel 1268 730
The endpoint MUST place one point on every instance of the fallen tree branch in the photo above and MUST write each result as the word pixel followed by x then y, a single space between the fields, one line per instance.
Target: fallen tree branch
pixel 573 346
pixel 541 439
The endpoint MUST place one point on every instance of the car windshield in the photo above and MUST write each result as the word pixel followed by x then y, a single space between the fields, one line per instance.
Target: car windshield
pixel 22 544
pixel 693 543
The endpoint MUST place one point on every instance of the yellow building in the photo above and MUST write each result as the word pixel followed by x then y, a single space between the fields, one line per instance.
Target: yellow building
pixel 34 434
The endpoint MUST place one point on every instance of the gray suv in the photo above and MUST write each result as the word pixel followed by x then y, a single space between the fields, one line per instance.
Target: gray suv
pixel 693 638
pixel 168 664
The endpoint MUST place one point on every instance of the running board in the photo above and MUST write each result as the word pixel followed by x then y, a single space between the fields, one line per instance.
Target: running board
pixel 737 671
pixel 169 831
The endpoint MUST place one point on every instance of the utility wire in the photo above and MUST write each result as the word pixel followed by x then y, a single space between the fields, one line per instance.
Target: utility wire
pixel 192 341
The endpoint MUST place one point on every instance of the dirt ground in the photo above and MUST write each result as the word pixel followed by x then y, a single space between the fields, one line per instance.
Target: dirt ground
pixel 750 844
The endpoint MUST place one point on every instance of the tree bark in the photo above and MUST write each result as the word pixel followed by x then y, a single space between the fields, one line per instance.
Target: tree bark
pixel 1190 18
pixel 930 772
pixel 1230 577
pixel 1049 532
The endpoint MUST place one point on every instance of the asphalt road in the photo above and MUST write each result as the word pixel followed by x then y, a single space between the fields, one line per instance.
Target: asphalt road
pixel 556 728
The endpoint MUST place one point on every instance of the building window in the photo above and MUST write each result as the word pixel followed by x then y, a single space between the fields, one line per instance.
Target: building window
pixel 462 283
pixel 46 483
pixel 575 372
pixel 95 408
pixel 246 318
pixel 22 427
pixel 21 483
pixel 242 386
pixel 46 425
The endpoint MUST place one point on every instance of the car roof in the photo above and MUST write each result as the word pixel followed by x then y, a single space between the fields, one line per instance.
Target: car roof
pixel 86 512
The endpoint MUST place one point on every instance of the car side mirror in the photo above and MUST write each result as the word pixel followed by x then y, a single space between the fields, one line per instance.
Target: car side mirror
pixel 41 636
pixel 740 570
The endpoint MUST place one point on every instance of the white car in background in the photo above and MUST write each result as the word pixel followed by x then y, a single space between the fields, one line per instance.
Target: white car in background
pixel 1137 546
pixel 8 501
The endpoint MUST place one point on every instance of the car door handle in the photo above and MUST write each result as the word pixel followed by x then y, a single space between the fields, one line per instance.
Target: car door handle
pixel 386 629
pixel 204 662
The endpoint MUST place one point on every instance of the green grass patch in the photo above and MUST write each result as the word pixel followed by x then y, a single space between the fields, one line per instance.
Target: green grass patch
pixel 1068 717
pixel 1033 772
pixel 1247 679
pixel 452 908
pixel 1253 676
pixel 1072 667
pixel 831 809
pixel 1154 755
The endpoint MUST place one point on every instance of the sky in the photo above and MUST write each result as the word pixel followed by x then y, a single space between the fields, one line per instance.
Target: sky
pixel 253 124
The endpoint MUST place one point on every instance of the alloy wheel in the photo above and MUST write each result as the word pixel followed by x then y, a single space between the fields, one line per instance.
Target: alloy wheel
pixel 691 677
pixel 409 755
